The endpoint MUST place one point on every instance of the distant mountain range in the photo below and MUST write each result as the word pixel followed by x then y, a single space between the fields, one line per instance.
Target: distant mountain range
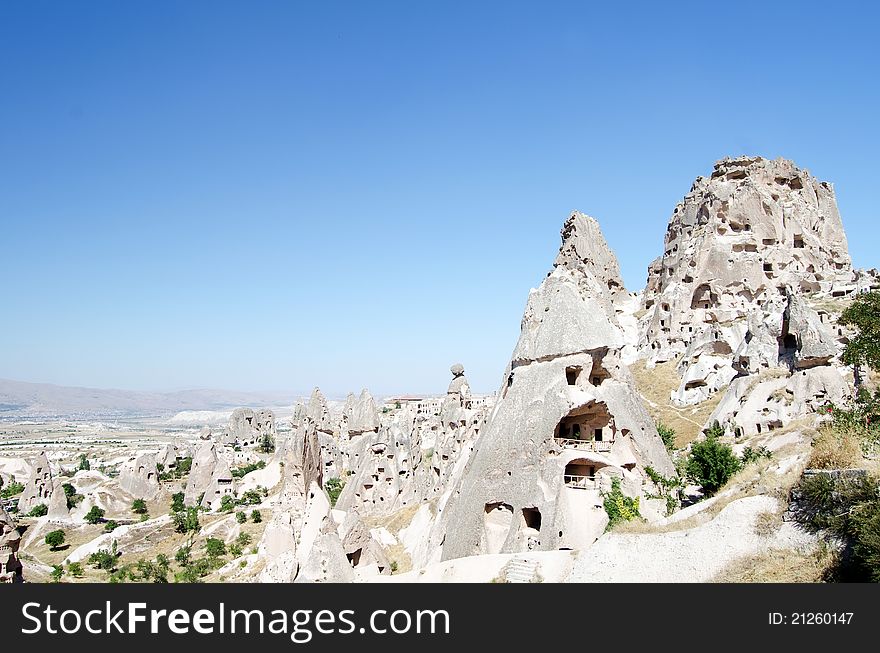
pixel 30 400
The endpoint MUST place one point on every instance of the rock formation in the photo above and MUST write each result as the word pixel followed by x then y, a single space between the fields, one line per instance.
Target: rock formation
pixel 58 509
pixel 247 427
pixel 361 415
pixel 140 477
pixel 751 233
pixel 201 473
pixel 39 486
pixel 222 484
pixel 10 539
pixel 568 419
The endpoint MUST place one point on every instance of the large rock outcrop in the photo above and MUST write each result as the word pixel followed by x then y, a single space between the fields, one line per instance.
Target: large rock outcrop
pixel 140 477
pixel 39 487
pixel 568 419
pixel 201 473
pixel 10 539
pixel 752 232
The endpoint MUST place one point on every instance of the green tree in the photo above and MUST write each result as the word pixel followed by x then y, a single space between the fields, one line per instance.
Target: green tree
pixel 183 555
pixel 251 497
pixel 55 539
pixel 244 539
pixel 57 573
pixel 103 559
pixel 75 569
pixel 267 444
pixel 111 526
pixel 215 548
pixel 39 510
pixel 72 497
pixel 864 315
pixel 94 515
pixel 334 489
pixel 84 464
pixel 667 434
pixel 227 503
pixel 186 521
pixel 256 517
pixel 12 488
pixel 240 517
pixel 177 504
pixel 711 464
pixel 139 507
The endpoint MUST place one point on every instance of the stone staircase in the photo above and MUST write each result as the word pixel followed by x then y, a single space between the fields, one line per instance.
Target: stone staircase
pixel 520 570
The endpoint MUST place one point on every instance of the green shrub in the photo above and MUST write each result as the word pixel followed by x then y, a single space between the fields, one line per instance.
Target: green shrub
pixel 111 526
pixel 57 572
pixel 750 455
pixel 103 559
pixel 244 539
pixel 251 498
pixel 186 521
pixel 177 504
pixel 711 463
pixel 11 489
pixel 39 510
pixel 84 464
pixel 227 503
pixel 215 548
pixel 238 472
pixel 256 517
pixel 670 489
pixel 334 489
pixel 667 434
pixel 848 508
pixel 72 497
pixel 234 550
pixel 183 555
pixel 240 517
pixel 618 506
pixel 75 569
pixel 139 507
pixel 267 444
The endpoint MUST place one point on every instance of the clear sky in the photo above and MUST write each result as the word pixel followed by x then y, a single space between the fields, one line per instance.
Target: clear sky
pixel 274 195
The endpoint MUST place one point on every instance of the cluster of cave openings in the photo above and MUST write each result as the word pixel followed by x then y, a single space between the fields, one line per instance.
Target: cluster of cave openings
pixel 589 423
pixel 703 297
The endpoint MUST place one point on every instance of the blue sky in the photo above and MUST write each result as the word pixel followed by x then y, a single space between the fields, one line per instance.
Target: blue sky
pixel 274 195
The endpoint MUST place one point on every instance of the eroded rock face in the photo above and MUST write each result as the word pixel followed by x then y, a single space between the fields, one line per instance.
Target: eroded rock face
pixel 201 473
pixel 568 418
pixel 140 477
pixel 742 250
pixel 39 487
pixel 222 484
pixel 10 539
pixel 58 509
pixel 247 427
pixel 361 415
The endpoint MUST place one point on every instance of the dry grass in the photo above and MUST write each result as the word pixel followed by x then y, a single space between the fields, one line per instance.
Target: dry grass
pixel 835 450
pixel 656 385
pixel 832 305
pixel 395 523
pixel 767 523
pixel 779 566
